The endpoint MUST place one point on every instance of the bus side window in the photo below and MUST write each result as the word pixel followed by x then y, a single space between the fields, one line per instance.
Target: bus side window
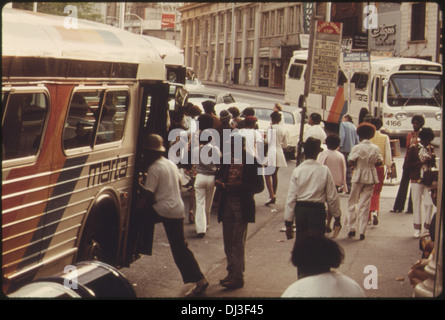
pixel 80 123
pixel 114 113
pixel 360 80
pixel 23 124
pixel 295 71
pixel 341 78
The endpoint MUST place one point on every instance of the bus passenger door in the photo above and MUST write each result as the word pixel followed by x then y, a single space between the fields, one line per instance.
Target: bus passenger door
pixel 154 118
pixel 376 97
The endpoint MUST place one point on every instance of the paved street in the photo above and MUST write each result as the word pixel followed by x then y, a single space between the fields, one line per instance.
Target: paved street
pixel 389 246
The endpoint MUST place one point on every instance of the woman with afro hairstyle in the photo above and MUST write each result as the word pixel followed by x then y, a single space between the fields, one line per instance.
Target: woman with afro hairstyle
pixel 364 157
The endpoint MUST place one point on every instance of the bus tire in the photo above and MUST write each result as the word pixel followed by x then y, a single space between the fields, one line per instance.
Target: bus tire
pixel 100 235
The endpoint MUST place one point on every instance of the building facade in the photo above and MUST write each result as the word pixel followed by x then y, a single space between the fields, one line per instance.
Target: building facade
pixel 251 43
pixel 160 19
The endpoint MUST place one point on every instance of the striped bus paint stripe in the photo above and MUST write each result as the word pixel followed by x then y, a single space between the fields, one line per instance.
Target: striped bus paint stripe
pixel 58 205
pixel 339 107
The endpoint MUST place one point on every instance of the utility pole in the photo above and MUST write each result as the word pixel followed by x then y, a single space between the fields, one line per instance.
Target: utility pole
pixel 121 15
pixel 307 83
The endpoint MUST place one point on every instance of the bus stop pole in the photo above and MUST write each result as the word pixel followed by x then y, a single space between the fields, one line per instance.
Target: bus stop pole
pixel 307 84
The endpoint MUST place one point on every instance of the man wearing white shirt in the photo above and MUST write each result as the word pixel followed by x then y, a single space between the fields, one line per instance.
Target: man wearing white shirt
pixel 310 187
pixel 252 135
pixel 162 192
pixel 315 130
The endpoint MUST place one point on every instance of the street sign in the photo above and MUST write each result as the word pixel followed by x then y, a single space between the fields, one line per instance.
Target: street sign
pixel 326 58
pixel 356 61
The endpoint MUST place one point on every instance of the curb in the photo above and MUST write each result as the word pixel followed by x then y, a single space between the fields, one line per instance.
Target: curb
pixel 277 91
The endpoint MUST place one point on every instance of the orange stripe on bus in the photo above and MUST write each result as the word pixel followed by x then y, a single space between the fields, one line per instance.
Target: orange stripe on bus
pixel 337 106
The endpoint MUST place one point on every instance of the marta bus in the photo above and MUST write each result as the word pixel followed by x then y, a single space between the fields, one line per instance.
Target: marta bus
pixel 395 89
pixel 76 103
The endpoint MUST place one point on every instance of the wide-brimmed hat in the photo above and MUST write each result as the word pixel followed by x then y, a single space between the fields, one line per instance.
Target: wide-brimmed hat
pixel 154 142
pixel 249 111
pixel 225 115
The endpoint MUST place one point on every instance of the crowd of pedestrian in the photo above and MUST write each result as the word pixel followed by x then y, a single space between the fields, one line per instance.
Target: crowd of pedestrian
pixel 354 162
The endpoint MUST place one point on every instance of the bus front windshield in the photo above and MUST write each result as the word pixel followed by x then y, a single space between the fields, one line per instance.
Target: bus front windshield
pixel 415 89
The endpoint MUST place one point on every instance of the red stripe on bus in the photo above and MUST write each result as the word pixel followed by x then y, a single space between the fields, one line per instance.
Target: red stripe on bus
pixel 337 106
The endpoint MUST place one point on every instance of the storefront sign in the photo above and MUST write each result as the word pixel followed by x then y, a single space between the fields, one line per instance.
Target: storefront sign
pixel 168 20
pixel 308 9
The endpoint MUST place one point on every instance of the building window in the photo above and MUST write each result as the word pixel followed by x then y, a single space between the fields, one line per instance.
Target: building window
pixel 252 17
pixel 418 22
pixel 291 20
pixel 272 23
pixel 221 23
pixel 265 24
pixel 213 22
pixel 280 26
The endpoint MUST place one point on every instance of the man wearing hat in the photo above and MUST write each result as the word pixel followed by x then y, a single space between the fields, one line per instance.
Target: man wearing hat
pixel 248 112
pixel 225 125
pixel 163 193
pixel 310 187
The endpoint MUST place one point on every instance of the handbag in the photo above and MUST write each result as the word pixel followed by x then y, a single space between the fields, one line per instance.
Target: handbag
pixel 428 177
pixel 393 171
pixel 393 174
pixel 145 211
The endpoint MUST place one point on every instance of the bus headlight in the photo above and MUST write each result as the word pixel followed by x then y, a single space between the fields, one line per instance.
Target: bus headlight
pixel 401 116
pixel 438 116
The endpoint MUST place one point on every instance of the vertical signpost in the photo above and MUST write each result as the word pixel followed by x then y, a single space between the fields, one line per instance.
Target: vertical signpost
pixel 322 66
pixel 356 61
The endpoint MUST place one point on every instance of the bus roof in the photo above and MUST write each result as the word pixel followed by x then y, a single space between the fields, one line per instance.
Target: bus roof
pixel 171 54
pixel 385 65
pixel 39 35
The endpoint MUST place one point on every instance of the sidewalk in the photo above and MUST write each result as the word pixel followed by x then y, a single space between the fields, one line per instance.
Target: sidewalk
pixel 277 91
pixel 389 247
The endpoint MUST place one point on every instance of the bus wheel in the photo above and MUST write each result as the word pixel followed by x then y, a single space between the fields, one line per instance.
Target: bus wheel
pixel 99 239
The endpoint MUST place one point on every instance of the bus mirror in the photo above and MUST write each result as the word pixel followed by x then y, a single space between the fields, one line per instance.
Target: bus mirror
pixel 385 82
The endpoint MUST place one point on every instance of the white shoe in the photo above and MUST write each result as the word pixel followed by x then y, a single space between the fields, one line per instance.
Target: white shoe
pixel 417 234
pixel 375 219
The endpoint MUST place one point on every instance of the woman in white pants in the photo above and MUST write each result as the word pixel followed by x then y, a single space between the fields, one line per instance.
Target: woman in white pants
pixel 421 158
pixel 209 156
pixel 204 191
pixel 364 157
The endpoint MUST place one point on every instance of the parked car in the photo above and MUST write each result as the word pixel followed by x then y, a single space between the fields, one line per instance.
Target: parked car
pixel 291 121
pixel 223 101
pixel 193 85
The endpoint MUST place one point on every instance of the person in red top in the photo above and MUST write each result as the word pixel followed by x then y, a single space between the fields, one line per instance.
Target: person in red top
pixel 420 159
pixel 412 139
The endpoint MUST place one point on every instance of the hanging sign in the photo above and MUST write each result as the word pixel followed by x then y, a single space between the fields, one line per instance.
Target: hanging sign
pixel 326 58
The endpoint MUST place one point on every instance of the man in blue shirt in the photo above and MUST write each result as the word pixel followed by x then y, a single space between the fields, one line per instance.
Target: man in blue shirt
pixel 348 139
